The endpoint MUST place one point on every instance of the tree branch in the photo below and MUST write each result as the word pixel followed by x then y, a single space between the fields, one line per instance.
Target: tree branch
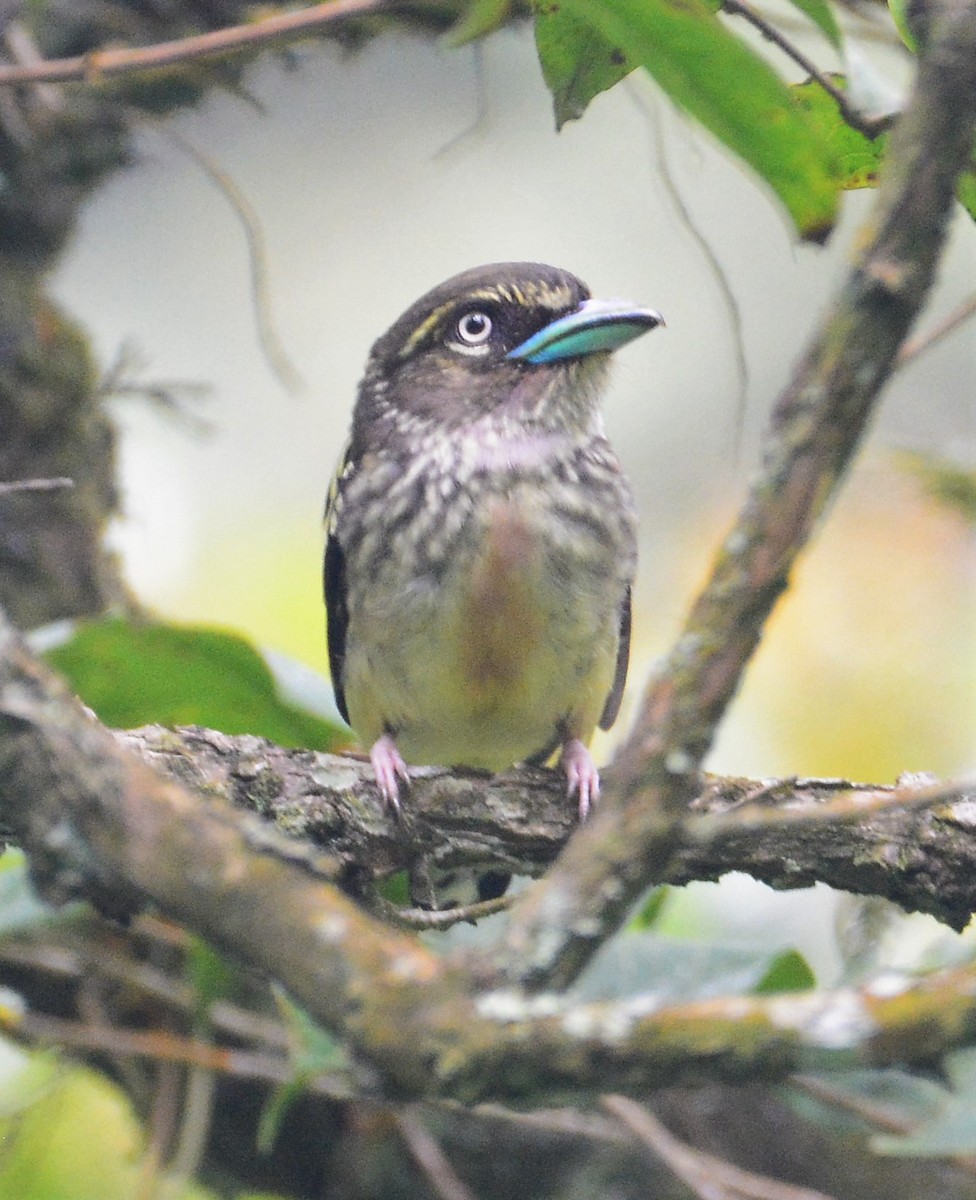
pixel 815 428
pixel 914 843
pixel 869 126
pixel 103 64
pixel 98 822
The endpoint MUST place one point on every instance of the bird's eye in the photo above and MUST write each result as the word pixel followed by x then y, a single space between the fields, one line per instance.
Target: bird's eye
pixel 474 328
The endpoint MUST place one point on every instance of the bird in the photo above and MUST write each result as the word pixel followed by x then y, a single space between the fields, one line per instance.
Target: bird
pixel 481 535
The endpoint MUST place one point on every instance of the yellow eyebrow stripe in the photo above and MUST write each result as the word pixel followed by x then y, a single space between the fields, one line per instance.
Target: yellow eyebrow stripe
pixel 423 329
pixel 530 294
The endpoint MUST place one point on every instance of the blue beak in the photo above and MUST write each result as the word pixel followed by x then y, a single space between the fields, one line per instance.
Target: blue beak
pixel 597 325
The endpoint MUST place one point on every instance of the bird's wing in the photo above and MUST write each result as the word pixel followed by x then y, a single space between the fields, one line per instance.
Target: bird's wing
pixel 334 583
pixel 612 706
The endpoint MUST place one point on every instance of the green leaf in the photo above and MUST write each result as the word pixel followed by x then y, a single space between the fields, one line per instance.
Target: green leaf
pixel 585 46
pixel 857 158
pixel 481 17
pixel 577 63
pixel 396 888
pixel 899 14
pixel 147 672
pixel 788 972
pixel 25 1078
pixel 822 15
pixel 312 1052
pixel 211 976
pixel 966 190
pixel 652 908
pixel 78 1138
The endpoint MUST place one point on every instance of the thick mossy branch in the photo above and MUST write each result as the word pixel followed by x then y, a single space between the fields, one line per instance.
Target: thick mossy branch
pixel 97 821
pixel 815 429
pixel 914 843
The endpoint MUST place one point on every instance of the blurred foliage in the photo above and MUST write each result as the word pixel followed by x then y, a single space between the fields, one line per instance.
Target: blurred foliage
pixel 651 908
pixel 68 1133
pixel 950 485
pixel 967 191
pixel 478 18
pixel 899 14
pixel 138 672
pixel 868 666
pixel 20 905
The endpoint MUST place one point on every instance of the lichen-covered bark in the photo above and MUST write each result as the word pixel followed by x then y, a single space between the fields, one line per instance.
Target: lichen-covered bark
pixel 914 843
pixel 96 821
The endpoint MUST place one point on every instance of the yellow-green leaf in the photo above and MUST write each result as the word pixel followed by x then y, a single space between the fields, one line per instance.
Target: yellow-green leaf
pixel 966 190
pixel 857 158
pixel 481 17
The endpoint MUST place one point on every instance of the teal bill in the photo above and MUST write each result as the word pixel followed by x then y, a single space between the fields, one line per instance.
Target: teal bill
pixel 597 325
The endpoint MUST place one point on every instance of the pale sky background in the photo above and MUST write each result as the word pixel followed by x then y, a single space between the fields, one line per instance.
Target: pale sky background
pixel 377 174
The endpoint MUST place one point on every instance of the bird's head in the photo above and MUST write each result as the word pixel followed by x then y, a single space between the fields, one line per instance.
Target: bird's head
pixel 517 343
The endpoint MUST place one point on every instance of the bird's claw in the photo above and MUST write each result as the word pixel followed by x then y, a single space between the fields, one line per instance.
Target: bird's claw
pixel 389 767
pixel 582 777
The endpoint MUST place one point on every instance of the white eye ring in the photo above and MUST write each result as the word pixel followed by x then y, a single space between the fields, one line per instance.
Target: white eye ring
pixel 474 328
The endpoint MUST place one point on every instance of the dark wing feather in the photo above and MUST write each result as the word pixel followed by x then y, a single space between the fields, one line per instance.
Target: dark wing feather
pixel 334 583
pixel 616 694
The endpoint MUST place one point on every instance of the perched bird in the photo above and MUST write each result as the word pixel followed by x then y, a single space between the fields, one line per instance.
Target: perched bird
pixel 481 535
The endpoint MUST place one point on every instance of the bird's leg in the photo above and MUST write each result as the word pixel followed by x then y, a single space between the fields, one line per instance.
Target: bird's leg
pixel 388 766
pixel 582 777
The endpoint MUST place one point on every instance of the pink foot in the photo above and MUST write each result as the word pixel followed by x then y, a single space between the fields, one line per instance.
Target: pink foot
pixel 388 766
pixel 582 777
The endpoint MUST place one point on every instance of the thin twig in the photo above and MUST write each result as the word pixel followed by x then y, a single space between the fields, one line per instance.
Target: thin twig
pixel 439 919
pixel 480 117
pixel 64 964
pixel 163 1117
pixel 101 64
pixel 120 380
pixel 274 351
pixel 428 1155
pixel 196 1119
pixel 848 803
pixel 869 126
pixel 923 341
pixel 879 1115
pixel 23 50
pixel 710 1178
pixel 159 1046
pixel 712 261
pixel 36 485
